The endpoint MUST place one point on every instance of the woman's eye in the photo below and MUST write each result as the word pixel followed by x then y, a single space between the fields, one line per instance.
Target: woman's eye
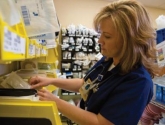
pixel 107 37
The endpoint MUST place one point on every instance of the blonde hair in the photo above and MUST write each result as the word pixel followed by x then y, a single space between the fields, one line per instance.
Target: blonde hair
pixel 132 22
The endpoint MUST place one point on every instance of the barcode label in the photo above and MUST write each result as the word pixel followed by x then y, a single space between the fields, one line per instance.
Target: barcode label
pixel 25 15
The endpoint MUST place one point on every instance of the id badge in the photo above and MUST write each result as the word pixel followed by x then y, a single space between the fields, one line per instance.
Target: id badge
pixel 84 90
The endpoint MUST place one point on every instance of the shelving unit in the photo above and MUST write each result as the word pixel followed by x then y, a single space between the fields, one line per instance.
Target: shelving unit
pixel 79 50
pixel 158 104
pixel 159 92
pixel 15 45
pixel 77 56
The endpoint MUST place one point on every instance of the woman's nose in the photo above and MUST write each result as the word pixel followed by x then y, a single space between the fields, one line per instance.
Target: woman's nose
pixel 100 41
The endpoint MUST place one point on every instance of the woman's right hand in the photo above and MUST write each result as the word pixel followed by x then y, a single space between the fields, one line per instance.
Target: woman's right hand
pixel 38 82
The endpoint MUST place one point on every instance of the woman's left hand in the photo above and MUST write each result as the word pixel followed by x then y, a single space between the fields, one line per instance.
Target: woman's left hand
pixel 45 95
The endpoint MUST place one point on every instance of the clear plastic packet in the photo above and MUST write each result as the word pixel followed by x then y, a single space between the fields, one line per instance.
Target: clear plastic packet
pixel 15 81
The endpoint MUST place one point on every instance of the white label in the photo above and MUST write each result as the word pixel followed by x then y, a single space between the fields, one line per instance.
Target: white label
pixel 16 44
pixel 33 50
pixel 46 52
pixel 36 49
pixel 30 49
pixel 8 40
pixel 13 42
pixel 39 51
pixel 23 45
pixel 71 93
pixel 42 51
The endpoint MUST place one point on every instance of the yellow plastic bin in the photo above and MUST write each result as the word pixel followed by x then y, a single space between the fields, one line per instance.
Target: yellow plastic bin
pixel 44 51
pixel 38 49
pixel 12 42
pixel 30 48
pixel 24 108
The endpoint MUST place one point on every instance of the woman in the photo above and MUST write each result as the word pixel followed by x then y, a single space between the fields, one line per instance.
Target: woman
pixel 117 89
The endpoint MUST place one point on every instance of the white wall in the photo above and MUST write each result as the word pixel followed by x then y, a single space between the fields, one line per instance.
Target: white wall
pixel 78 11
pixel 83 11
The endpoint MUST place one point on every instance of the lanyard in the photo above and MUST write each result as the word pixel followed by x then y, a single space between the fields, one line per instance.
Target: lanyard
pixel 101 74
pixel 98 80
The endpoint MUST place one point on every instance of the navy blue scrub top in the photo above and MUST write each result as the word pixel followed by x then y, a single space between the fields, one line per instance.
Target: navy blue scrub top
pixel 121 99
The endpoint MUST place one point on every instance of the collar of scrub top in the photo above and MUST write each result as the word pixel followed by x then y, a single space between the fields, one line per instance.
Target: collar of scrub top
pixel 105 68
pixel 101 72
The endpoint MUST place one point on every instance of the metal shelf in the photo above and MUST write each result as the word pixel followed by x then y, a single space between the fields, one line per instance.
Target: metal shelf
pixel 158 104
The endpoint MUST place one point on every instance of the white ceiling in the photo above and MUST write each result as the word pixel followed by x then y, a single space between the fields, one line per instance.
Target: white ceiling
pixel 152 3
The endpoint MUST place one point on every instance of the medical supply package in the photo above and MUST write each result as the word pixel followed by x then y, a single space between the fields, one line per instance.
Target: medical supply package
pixel 39 16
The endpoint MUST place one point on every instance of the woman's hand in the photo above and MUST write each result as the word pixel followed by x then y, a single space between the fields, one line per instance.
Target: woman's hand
pixel 38 82
pixel 45 95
